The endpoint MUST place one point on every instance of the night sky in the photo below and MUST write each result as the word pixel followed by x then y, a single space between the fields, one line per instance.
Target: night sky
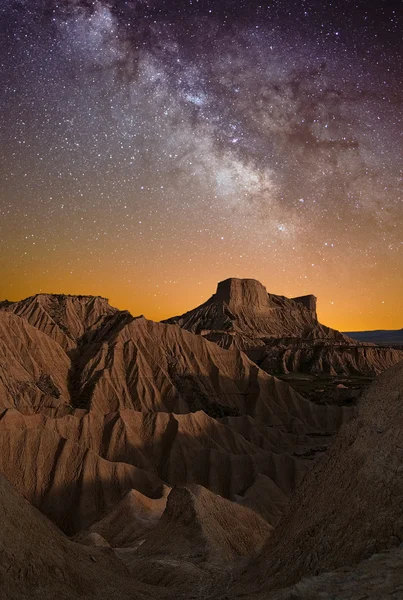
pixel 150 149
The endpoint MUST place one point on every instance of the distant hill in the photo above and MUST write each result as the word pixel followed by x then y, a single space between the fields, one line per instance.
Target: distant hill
pixel 379 336
pixel 282 335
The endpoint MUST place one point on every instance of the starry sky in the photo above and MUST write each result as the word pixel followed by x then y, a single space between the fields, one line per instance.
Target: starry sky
pixel 151 148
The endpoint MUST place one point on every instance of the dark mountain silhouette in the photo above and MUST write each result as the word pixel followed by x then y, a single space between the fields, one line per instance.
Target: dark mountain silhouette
pixel 379 336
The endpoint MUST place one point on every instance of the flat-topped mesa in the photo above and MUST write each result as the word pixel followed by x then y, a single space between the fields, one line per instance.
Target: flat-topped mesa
pixel 281 334
pixel 310 302
pixel 244 308
pixel 251 295
pixel 238 293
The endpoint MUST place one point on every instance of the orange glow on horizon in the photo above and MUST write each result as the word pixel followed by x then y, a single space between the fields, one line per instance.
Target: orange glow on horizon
pixel 157 298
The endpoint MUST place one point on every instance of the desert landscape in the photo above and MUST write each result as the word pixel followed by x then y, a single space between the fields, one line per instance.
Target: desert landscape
pixel 201 258
pixel 163 460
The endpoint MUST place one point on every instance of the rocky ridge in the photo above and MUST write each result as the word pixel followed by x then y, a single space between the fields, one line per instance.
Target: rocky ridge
pixel 348 508
pixel 282 335
pixel 182 456
pixel 96 404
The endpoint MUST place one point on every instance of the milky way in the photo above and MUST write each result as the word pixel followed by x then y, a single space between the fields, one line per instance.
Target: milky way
pixel 150 149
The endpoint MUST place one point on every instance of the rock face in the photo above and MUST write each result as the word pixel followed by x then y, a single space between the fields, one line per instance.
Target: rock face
pixel 349 506
pixel 37 560
pixel 33 368
pixel 200 525
pixel 280 334
pixel 68 482
pixel 153 444
pixel 118 452
pixel 195 540
pixel 243 310
pixel 95 405
pixel 326 358
pixel 63 318
pixel 128 523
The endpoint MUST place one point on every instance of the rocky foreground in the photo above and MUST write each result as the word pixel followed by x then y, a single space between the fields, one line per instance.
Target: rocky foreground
pixel 179 468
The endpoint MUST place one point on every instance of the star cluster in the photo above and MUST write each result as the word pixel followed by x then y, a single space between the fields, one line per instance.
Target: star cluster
pixel 151 148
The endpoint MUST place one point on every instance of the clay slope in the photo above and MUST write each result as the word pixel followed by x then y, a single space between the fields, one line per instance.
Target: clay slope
pixel 34 369
pixel 127 363
pixel 280 334
pixel 349 506
pixel 130 520
pixel 65 319
pixel 239 458
pixel 155 367
pixel 197 537
pixel 134 404
pixel 67 482
pixel 38 561
pixel 203 526
pixel 328 359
